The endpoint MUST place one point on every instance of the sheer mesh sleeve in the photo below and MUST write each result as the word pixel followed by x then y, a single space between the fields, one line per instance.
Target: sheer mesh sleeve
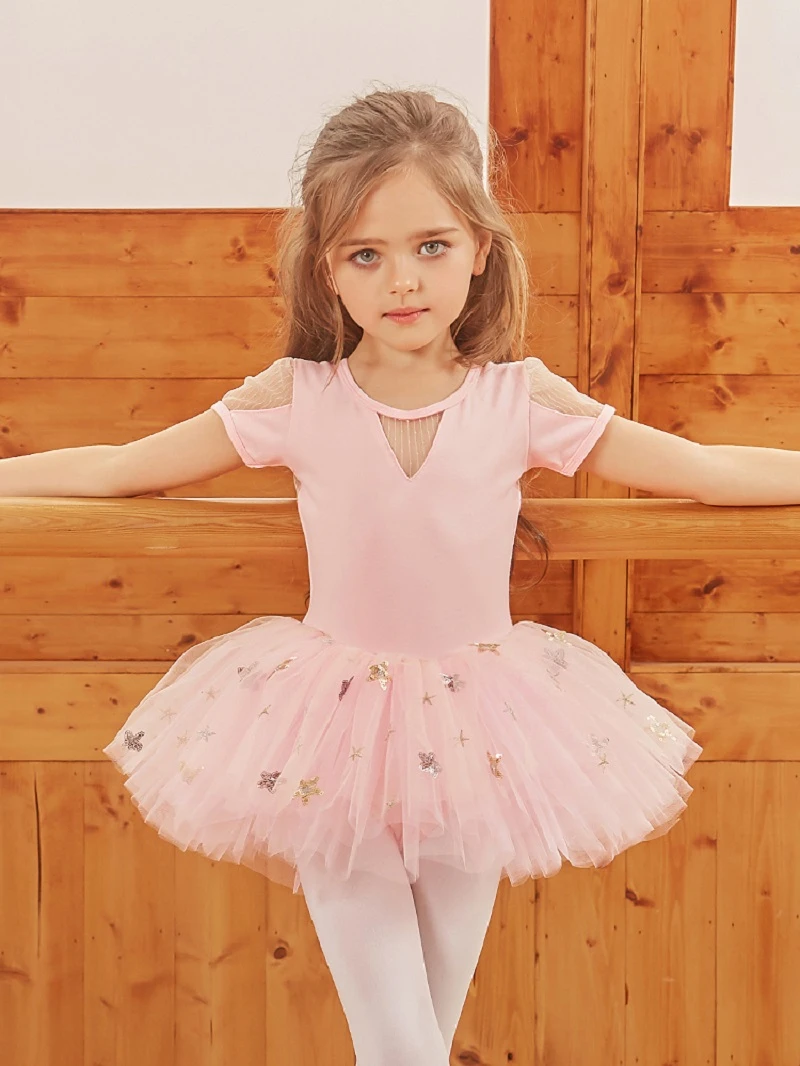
pixel 256 415
pixel 564 423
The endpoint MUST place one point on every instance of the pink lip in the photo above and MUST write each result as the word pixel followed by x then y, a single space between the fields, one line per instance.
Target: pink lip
pixel 407 315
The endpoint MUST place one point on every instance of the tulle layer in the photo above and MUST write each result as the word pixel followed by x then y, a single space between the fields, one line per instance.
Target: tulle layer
pixel 275 743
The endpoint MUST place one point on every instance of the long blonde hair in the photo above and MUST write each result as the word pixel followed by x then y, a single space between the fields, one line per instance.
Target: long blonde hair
pixel 387 132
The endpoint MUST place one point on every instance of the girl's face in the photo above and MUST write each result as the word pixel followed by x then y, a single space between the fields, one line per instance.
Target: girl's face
pixel 390 257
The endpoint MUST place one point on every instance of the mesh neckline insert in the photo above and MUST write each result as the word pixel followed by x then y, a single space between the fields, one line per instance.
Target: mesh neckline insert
pixel 417 412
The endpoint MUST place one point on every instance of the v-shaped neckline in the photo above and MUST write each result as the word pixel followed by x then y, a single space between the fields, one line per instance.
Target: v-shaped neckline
pixel 418 412
pixel 377 408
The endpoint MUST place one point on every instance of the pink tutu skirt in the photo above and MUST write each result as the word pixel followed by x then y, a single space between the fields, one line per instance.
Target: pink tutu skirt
pixel 274 743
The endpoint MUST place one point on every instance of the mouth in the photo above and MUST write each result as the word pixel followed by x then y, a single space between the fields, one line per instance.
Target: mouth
pixel 407 316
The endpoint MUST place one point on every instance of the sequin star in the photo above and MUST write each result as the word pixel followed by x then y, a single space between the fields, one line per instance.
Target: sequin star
pixel 428 699
pixel 487 647
pixel 428 763
pixel 356 753
pixel 452 682
pixel 389 732
pixel 183 739
pixel 269 781
pixel 283 665
pixel 380 672
pixel 660 729
pixel 557 657
pixel 494 763
pixel 599 749
pixel 391 803
pixel 134 740
pixel 190 775
pixel 557 634
pixel 308 789
pixel 211 693
pixel 265 711
pixel 205 733
pixel 461 738
pixel 168 712
pixel 626 698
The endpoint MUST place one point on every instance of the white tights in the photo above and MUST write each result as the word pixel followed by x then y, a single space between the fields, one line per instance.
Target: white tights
pixel 401 955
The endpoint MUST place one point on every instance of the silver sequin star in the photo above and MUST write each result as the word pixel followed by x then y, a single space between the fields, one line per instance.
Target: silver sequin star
pixel 452 682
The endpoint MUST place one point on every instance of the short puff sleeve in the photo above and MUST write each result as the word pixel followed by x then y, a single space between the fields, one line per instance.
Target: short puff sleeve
pixel 564 424
pixel 256 415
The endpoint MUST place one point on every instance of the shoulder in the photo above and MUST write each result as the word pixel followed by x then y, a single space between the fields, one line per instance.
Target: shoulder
pixel 270 387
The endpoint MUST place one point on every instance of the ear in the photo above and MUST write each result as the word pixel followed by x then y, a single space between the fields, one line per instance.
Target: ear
pixel 482 252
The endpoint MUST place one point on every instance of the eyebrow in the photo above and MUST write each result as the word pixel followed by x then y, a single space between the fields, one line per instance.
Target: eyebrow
pixel 414 236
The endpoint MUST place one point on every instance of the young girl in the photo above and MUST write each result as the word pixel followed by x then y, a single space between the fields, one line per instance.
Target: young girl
pixel 405 746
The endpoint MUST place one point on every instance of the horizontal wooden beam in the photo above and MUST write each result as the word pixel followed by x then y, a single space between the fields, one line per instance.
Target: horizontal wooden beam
pixel 219 527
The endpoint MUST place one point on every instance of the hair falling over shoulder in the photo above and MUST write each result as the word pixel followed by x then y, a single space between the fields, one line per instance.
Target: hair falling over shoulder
pixel 389 131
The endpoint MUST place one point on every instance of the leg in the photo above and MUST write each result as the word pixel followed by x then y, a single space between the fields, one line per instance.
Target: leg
pixel 454 909
pixel 367 929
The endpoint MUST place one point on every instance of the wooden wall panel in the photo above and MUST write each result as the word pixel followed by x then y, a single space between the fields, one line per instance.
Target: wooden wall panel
pixel 688 59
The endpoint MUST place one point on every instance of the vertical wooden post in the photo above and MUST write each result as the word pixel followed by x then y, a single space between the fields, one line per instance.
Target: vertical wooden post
pixel 610 277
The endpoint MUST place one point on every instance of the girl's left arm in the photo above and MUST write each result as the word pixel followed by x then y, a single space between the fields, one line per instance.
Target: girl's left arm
pixel 640 456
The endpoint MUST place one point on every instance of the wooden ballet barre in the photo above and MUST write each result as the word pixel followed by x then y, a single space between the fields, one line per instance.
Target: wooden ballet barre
pixel 217 527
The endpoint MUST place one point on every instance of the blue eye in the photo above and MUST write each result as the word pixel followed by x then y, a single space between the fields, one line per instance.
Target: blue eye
pixel 444 244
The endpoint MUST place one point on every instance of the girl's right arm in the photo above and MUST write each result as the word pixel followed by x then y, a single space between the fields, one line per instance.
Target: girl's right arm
pixel 189 451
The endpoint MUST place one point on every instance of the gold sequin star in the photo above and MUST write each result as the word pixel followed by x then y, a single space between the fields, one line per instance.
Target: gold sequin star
pixel 487 647
pixel 494 763
pixel 356 753
pixel 183 739
pixel 557 634
pixel 168 712
pixel 266 710
pixel 461 738
pixel 626 698
pixel 282 666
pixel 599 749
pixel 660 729
pixel 308 789
pixel 211 693
pixel 205 732
pixel 190 775
pixel 428 699
pixel 380 672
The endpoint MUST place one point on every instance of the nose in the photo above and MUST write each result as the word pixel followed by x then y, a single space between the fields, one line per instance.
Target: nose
pixel 404 274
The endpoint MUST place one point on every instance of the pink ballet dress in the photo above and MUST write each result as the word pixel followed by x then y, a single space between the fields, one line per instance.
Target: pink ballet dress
pixel 406 700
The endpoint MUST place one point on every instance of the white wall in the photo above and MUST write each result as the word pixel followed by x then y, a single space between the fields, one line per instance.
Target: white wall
pixel 765 158
pixel 192 104
pixel 188 104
